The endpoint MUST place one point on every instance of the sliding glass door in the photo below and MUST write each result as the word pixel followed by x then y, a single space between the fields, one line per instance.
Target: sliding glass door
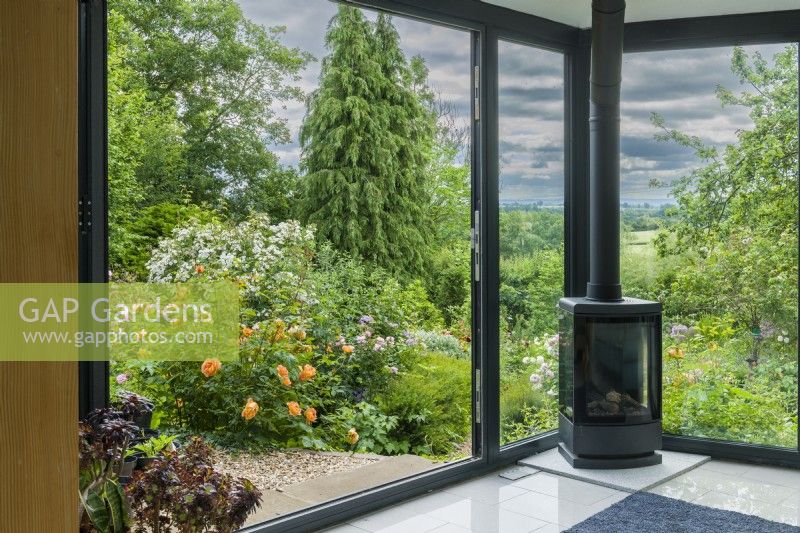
pixel 319 155
pixel 531 247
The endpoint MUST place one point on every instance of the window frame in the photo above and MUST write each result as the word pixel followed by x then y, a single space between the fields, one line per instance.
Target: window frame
pixel 488 23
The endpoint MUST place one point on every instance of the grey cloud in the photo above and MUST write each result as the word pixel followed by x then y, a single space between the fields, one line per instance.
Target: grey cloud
pixel 678 84
pixel 446 52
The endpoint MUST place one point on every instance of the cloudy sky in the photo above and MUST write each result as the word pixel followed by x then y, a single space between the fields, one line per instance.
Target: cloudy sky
pixel 446 52
pixel 678 84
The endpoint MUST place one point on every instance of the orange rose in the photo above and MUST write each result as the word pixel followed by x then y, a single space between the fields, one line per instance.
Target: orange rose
pixel 210 367
pixel 199 269
pixel 250 409
pixel 352 436
pixel 286 381
pixel 675 353
pixel 307 372
pixel 294 408
pixel 347 348
pixel 311 415
pixel 282 371
pixel 246 332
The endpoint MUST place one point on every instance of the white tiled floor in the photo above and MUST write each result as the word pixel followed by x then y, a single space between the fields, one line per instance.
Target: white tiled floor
pixel 547 503
pixel 765 491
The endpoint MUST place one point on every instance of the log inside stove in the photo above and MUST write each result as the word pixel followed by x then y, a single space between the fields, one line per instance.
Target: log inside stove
pixel 614 403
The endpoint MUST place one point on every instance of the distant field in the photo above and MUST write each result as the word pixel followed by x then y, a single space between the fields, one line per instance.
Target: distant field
pixel 639 238
pixel 639 244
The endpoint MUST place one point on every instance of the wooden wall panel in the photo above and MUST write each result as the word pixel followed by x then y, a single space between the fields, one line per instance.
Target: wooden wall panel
pixel 38 242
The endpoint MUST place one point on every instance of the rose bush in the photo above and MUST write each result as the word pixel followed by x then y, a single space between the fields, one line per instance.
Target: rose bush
pixel 320 333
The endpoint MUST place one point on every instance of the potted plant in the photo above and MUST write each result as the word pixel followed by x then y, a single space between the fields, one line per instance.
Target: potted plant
pixel 104 436
pixel 147 451
pixel 135 408
pixel 128 465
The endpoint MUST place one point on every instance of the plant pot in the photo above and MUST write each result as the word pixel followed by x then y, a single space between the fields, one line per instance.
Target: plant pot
pixel 143 420
pixel 144 462
pixel 126 469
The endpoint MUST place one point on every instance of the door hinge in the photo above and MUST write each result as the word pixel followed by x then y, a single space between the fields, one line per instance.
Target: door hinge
pixel 477 95
pixel 478 395
pixel 476 244
pixel 84 215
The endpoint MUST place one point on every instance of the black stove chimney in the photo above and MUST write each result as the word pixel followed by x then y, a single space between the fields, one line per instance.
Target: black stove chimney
pixel 609 346
pixel 608 19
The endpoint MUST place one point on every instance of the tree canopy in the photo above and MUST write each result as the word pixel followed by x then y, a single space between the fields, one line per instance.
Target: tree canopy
pixel 367 140
pixel 737 214
pixel 216 76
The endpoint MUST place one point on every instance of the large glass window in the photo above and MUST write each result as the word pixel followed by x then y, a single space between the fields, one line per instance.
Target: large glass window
pixel 319 155
pixel 709 222
pixel 531 150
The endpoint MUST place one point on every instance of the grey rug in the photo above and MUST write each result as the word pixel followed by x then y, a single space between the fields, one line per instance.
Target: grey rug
pixel 650 513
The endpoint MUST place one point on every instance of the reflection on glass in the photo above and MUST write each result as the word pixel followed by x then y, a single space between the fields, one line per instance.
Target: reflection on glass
pixel 709 222
pixel 531 122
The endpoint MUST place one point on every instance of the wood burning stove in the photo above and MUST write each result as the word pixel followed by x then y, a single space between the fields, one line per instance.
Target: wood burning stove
pixel 609 382
pixel 610 346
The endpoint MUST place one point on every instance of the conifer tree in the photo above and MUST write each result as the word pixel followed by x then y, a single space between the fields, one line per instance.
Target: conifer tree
pixel 366 142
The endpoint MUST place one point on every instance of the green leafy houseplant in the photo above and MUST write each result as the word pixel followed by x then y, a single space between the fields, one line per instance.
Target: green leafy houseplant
pixel 150 449
pixel 153 446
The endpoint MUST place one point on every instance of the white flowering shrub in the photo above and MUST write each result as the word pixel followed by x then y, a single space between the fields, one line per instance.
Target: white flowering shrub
pixel 269 261
pixel 544 367
pixel 247 252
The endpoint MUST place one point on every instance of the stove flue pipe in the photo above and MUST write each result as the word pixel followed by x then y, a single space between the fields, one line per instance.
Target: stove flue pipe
pixel 608 17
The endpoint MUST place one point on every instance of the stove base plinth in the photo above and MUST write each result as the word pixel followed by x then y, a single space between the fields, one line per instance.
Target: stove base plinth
pixel 608 463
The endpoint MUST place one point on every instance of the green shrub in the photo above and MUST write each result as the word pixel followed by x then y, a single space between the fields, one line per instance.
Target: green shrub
pixel 374 428
pixel 710 389
pixel 530 288
pixel 447 281
pixel 150 225
pixel 432 403
pixel 439 342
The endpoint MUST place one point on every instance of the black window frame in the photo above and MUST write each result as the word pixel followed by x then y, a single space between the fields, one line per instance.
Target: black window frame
pixel 488 23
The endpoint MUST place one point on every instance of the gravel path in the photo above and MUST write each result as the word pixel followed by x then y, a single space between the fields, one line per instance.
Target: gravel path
pixel 278 469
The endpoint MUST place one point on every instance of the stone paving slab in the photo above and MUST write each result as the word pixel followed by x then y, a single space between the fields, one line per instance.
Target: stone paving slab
pixel 366 477
pixel 326 488
pixel 626 479
pixel 273 505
